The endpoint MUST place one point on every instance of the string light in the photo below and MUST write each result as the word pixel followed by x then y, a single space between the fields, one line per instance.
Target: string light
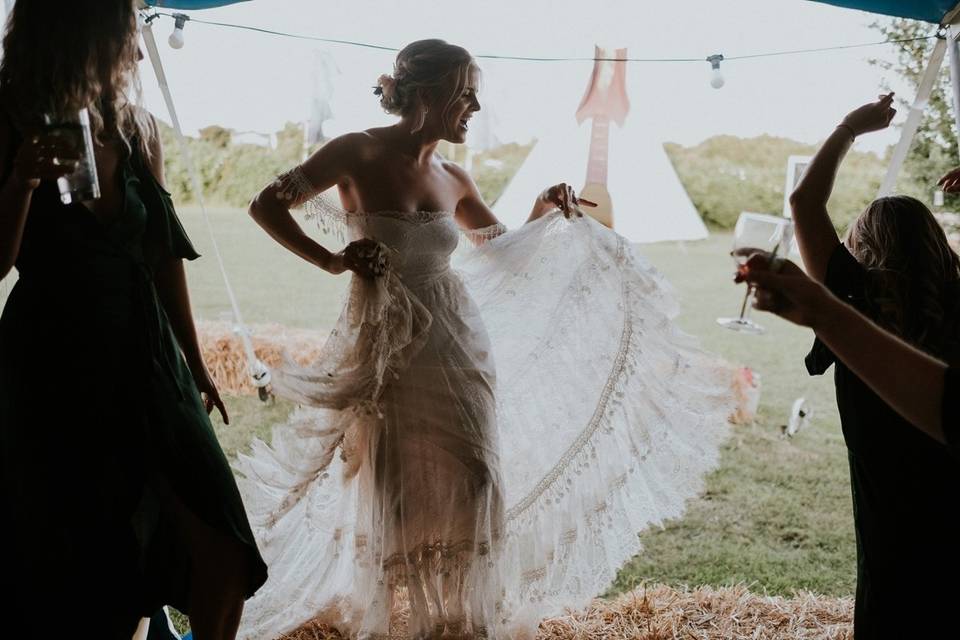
pixel 716 78
pixel 176 38
pixel 177 16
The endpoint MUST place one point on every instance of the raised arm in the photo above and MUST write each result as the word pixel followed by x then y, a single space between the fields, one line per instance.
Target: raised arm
pixel 328 166
pixel 815 233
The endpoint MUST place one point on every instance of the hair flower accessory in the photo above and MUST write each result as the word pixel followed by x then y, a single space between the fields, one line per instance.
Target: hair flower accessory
pixel 386 86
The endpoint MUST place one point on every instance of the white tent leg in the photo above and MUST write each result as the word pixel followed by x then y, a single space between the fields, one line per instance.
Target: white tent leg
pixel 953 48
pixel 142 629
pixel 913 119
pixel 258 371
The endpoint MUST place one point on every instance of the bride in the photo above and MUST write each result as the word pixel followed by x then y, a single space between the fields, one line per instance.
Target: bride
pixel 486 431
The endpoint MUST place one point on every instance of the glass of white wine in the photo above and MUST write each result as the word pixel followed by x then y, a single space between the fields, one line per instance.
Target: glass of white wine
pixel 756 233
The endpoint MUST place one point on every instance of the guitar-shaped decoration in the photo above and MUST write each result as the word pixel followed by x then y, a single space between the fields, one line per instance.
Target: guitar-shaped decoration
pixel 605 101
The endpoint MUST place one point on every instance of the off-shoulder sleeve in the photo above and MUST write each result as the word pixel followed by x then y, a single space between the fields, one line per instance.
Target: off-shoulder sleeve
pixel 321 207
pixel 165 236
pixel 174 241
pixel 483 234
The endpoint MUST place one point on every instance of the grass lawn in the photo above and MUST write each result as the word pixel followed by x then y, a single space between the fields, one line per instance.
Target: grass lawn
pixel 776 514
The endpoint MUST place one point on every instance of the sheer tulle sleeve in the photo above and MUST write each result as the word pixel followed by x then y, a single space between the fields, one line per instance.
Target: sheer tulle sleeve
pixel 480 236
pixel 322 207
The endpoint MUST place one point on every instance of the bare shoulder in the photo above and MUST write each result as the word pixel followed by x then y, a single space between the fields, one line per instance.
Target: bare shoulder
pixel 460 175
pixel 154 145
pixel 471 212
pixel 348 150
pixel 152 130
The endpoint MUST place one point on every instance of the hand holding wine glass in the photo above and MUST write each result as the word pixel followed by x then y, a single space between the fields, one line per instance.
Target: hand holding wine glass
pixel 43 157
pixel 755 233
pixel 782 288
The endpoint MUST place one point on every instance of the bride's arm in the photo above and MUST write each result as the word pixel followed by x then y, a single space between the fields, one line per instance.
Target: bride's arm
pixel 328 166
pixel 473 213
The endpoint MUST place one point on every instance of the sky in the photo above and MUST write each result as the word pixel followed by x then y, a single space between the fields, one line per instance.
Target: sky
pixel 251 81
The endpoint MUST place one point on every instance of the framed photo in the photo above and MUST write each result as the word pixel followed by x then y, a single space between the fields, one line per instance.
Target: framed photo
pixel 796 165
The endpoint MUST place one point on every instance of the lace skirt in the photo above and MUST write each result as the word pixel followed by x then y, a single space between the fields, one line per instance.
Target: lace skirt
pixel 468 499
pixel 409 515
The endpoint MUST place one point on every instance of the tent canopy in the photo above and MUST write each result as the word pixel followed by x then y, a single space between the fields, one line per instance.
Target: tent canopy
pixel 191 4
pixel 930 10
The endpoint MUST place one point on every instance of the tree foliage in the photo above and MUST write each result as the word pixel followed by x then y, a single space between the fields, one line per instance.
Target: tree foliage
pixel 232 173
pixel 726 175
pixel 934 149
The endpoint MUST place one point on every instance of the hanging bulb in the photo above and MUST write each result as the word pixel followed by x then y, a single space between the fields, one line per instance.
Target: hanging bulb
pixel 716 78
pixel 176 38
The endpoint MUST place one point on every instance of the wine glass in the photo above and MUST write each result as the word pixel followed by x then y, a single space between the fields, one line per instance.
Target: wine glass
pixel 74 127
pixel 756 233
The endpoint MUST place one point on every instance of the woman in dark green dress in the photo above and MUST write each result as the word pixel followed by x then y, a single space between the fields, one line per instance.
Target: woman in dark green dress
pixel 114 493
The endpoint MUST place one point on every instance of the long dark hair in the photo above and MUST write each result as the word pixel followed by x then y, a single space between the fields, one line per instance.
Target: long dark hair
pixel 59 57
pixel 914 274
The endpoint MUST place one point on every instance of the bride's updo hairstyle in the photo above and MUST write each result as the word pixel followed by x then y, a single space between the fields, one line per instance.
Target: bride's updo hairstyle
pixel 427 74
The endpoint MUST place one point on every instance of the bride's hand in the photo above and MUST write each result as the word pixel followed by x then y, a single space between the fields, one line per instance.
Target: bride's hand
pixel 366 258
pixel 563 197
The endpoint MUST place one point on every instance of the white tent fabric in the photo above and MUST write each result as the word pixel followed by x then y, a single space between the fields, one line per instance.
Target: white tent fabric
pixel 649 201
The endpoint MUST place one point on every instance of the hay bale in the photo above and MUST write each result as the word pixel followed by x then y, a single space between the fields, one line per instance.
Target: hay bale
pixel 223 351
pixel 707 613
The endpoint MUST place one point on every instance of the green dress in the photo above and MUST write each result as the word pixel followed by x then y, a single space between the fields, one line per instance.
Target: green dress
pixel 100 418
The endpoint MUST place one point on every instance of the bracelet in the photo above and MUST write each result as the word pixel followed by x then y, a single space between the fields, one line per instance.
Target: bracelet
pixel 853 134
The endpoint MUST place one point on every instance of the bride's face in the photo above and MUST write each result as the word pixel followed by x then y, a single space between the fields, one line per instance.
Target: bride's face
pixel 456 117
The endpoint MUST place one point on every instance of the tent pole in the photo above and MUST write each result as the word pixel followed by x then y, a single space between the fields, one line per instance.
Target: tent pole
pixel 953 33
pixel 913 119
pixel 953 49
pixel 257 370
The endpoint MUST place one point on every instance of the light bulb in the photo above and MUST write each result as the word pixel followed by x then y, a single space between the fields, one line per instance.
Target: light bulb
pixel 716 78
pixel 176 38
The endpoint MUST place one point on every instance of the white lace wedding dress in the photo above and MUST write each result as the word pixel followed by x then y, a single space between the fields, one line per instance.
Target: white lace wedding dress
pixel 482 438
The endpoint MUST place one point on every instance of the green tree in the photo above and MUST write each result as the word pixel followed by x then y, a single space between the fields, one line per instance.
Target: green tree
pixel 290 143
pixel 934 149
pixel 216 135
pixel 725 175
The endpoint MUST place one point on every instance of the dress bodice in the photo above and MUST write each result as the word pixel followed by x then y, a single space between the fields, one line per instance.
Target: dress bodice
pixel 422 241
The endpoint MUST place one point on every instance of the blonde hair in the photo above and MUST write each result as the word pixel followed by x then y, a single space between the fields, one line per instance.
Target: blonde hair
pixel 427 74
pixel 59 57
pixel 913 286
